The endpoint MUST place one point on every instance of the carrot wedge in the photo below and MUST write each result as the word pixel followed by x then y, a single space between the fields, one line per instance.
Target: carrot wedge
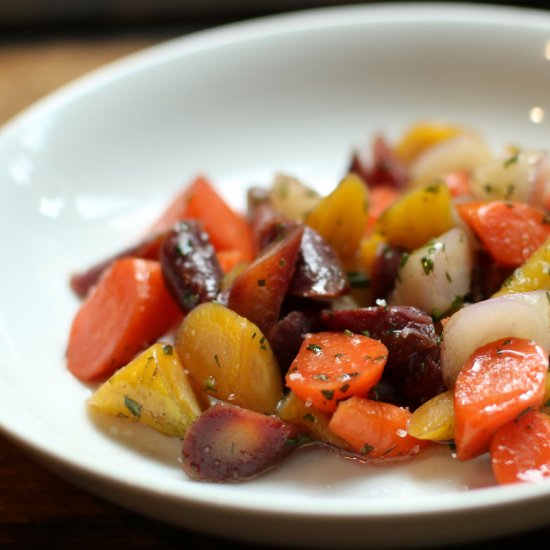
pixel 520 450
pixel 228 230
pixel 126 311
pixel 332 366
pixel 510 231
pixel 498 382
pixel 375 429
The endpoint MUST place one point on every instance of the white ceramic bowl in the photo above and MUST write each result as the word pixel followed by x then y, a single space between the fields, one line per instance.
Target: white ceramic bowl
pixel 86 170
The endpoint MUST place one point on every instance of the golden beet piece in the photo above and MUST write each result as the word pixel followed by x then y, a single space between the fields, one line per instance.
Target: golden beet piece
pixel 153 389
pixel 229 358
pixel 418 216
pixel 340 217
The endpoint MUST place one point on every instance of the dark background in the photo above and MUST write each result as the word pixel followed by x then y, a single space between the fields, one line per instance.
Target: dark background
pixel 27 17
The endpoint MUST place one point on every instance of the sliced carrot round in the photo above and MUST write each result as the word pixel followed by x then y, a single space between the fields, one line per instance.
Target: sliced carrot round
pixel 332 366
pixel 520 450
pixel 375 429
pixel 498 382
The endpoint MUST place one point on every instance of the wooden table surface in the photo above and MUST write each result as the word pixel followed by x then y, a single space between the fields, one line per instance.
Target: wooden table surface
pixel 36 506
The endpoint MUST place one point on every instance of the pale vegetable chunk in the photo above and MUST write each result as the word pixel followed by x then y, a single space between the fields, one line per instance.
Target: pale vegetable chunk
pixel 436 276
pixel 522 315
pixel 519 176
pixel 153 389
pixel 229 358
pixel 292 198
pixel 466 152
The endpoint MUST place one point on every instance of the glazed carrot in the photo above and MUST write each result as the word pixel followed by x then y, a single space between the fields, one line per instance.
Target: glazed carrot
pixel 228 230
pixel 148 248
pixel 332 366
pixel 498 382
pixel 126 311
pixel 375 429
pixel 510 231
pixel 520 450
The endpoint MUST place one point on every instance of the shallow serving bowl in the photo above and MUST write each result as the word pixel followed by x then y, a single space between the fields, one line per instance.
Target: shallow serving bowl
pixel 85 171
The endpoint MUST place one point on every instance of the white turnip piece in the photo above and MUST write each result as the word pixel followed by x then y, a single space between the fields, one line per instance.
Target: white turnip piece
pixel 436 275
pixel 521 315
pixel 522 176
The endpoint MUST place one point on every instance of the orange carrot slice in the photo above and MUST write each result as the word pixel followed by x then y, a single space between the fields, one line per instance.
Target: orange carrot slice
pixel 520 450
pixel 499 381
pixel 510 231
pixel 228 230
pixel 127 310
pixel 375 429
pixel 332 366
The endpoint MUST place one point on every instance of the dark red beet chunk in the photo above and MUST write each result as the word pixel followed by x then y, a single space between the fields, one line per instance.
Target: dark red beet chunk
pixel 257 293
pixel 287 335
pixel 319 273
pixel 413 373
pixel 228 444
pixel 189 265
pixel 404 330
pixel 385 168
pixel 419 379
pixel 384 271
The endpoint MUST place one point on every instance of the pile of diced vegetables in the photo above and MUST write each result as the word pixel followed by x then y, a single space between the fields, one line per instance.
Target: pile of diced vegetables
pixel 407 308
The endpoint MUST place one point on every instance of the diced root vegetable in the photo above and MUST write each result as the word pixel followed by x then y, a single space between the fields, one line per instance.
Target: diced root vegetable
pixel 466 151
pixel 228 443
pixel 499 381
pixel 434 420
pixel 522 315
pixel 520 450
pixel 152 390
pixel 436 275
pixel 229 358
pixel 375 429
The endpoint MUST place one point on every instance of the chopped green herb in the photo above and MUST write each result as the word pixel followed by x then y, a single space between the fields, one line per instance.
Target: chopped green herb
pixel 403 259
pixel 366 449
pixel 511 160
pixel 309 417
pixel 261 282
pixel 348 332
pixel 217 359
pixel 358 280
pixel 315 348
pixel 167 349
pixel 133 406
pixel 328 394
pixel 210 384
pixel 300 439
pixel 427 265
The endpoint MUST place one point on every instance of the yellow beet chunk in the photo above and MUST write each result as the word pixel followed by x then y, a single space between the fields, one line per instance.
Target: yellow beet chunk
pixel 418 216
pixel 533 274
pixel 229 358
pixel 368 249
pixel 421 136
pixel 435 419
pixel 295 411
pixel 341 217
pixel 153 389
